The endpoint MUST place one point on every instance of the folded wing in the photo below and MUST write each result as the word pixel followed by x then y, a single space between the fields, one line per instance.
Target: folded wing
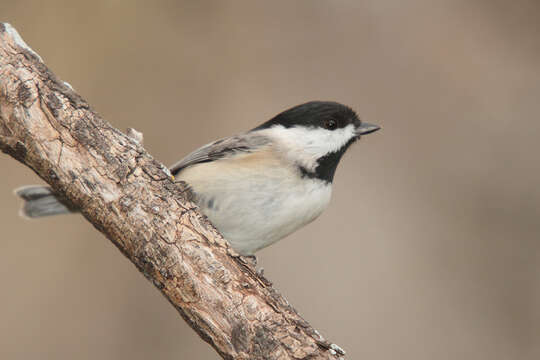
pixel 224 148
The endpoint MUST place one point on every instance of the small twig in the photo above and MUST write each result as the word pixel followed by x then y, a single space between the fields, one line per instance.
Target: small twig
pixel 135 135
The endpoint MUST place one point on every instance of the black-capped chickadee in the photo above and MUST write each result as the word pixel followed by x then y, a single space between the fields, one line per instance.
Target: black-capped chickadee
pixel 259 186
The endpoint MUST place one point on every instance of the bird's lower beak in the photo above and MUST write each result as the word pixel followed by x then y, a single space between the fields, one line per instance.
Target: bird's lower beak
pixel 366 128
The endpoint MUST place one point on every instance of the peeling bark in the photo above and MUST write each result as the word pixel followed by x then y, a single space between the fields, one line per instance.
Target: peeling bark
pixel 130 197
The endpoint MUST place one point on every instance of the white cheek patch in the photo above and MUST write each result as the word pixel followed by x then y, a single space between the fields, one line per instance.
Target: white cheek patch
pixel 306 145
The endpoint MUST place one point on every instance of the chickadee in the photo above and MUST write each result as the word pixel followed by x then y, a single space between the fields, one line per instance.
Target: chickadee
pixel 259 186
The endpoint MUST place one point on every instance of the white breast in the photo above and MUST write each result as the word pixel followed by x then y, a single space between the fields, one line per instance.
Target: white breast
pixel 254 200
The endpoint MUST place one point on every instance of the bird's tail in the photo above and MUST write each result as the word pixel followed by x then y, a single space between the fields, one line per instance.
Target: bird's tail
pixel 40 201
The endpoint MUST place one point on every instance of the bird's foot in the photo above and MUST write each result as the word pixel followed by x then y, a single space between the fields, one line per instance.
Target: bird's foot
pixel 252 259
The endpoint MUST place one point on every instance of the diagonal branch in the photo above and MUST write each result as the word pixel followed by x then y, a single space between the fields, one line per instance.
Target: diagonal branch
pixel 130 197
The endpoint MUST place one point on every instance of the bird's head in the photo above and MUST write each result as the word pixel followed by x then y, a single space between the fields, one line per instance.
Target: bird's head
pixel 315 135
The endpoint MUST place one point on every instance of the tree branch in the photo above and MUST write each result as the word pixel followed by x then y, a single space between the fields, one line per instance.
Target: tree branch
pixel 131 198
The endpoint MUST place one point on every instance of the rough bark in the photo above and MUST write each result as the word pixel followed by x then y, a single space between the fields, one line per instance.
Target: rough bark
pixel 130 197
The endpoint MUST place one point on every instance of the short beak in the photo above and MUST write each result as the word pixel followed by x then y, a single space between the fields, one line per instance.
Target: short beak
pixel 366 128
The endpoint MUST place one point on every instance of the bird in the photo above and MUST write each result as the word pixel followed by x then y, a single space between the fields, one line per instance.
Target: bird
pixel 259 186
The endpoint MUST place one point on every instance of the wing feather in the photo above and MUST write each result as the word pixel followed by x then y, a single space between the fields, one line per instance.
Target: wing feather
pixel 220 149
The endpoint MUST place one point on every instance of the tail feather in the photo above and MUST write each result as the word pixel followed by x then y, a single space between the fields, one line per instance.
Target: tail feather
pixel 40 201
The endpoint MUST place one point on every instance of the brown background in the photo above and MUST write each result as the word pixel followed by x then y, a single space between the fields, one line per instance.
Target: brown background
pixel 430 248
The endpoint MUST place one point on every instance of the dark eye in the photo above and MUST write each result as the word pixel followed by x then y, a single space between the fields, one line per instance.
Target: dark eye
pixel 330 124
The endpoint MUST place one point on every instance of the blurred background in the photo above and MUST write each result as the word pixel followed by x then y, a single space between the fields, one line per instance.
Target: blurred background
pixel 430 248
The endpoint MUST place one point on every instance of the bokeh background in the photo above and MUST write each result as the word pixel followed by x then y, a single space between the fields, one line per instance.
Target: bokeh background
pixel 430 248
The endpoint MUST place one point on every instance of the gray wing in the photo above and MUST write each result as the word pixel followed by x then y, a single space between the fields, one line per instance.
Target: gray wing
pixel 219 149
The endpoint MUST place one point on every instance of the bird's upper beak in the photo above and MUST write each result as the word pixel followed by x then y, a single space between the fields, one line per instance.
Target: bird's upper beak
pixel 366 128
